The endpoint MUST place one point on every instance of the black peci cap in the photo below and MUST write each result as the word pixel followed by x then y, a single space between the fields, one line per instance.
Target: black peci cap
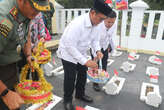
pixel 102 7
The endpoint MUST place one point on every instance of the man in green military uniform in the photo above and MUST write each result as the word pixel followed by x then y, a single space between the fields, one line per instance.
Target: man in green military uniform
pixel 15 16
pixel 47 18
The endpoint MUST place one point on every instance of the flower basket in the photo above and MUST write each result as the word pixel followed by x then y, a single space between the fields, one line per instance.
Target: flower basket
pixel 43 55
pixel 97 77
pixel 34 91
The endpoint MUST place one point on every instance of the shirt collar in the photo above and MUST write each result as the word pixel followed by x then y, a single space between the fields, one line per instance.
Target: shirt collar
pixel 88 20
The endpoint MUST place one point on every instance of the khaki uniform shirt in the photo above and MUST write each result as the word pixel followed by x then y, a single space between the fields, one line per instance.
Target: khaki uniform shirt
pixel 13 32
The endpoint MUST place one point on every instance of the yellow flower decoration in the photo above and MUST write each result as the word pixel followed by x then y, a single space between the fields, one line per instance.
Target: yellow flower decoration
pixel 43 55
pixel 34 91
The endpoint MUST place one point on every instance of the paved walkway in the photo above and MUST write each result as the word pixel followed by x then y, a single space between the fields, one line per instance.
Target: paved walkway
pixel 128 99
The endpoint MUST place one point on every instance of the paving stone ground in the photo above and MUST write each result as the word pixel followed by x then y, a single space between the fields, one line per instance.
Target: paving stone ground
pixel 128 99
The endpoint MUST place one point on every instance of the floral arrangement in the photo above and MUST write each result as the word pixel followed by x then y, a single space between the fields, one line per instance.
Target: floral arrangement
pixel 98 76
pixel 43 55
pixel 34 91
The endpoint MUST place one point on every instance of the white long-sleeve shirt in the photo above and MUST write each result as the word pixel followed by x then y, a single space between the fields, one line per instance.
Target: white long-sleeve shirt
pixel 78 36
pixel 106 36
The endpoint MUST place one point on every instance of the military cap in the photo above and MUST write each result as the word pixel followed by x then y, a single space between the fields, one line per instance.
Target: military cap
pixel 102 7
pixel 40 5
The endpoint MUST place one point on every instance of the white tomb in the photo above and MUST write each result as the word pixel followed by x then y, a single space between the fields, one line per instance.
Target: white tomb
pixel 150 94
pixel 57 71
pixel 47 68
pixel 133 56
pixel 155 60
pixel 154 78
pixel 116 53
pixel 114 86
pixel 118 47
pixel 90 108
pixel 152 71
pixel 109 62
pixel 127 67
pixel 46 106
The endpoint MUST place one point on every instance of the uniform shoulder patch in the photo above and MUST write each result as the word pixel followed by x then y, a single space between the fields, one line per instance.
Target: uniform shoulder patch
pixel 14 12
pixel 5 27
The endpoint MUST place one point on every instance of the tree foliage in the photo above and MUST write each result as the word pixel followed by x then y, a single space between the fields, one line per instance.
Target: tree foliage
pixel 153 4
pixel 76 3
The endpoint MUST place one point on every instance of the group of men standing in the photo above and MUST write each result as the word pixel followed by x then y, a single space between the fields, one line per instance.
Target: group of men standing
pixel 82 33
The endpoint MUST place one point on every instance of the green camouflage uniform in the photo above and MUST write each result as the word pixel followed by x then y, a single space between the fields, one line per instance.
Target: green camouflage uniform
pixel 13 33
pixel 13 36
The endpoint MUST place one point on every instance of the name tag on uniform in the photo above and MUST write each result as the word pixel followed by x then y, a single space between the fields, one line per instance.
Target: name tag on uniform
pixel 19 48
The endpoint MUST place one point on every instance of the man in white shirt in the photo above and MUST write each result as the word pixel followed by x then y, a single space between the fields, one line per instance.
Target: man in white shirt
pixel 106 31
pixel 73 46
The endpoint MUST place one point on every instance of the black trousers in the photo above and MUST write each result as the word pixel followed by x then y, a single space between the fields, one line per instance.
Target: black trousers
pixel 75 76
pixel 104 59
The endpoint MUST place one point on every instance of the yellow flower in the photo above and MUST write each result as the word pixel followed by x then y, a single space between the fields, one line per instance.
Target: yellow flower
pixel 43 55
pixel 41 95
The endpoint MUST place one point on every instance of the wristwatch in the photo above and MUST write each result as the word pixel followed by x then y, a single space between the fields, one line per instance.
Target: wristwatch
pixel 4 92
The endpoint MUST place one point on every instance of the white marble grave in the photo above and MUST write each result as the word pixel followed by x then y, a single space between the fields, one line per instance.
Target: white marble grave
pixel 155 60
pixel 152 71
pixel 127 67
pixel 109 62
pixel 150 94
pixel 133 56
pixel 116 53
pixel 57 71
pixel 90 108
pixel 47 68
pixel 114 86
pixel 48 105
pixel 153 79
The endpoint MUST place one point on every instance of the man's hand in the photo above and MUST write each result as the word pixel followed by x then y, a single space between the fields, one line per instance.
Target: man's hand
pixel 27 48
pixel 12 100
pixel 99 55
pixel 34 50
pixel 91 64
pixel 29 60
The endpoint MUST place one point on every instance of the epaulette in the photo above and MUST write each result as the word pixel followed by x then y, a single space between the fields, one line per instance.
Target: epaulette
pixel 14 12
pixel 5 27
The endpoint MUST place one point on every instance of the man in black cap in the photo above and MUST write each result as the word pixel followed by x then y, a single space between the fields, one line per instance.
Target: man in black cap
pixel 14 37
pixel 106 30
pixel 73 46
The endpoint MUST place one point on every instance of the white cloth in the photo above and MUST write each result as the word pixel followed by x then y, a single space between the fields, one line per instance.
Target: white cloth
pixel 106 36
pixel 77 38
